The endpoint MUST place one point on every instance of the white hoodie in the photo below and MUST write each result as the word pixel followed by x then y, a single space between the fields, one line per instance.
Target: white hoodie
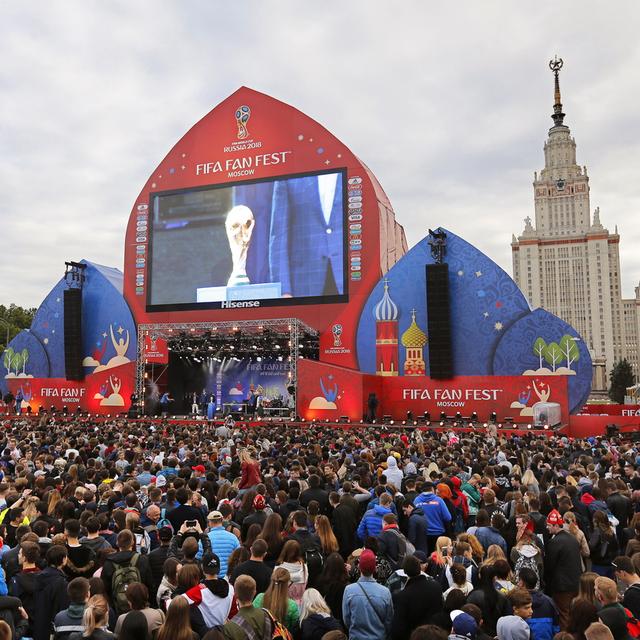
pixel 393 474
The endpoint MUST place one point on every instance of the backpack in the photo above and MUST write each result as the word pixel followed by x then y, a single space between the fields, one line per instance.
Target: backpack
pixel 458 520
pixel 122 577
pixel 405 548
pixel 143 542
pixel 633 626
pixel 163 522
pixel 314 560
pixel 529 563
pixel 396 582
pixel 278 630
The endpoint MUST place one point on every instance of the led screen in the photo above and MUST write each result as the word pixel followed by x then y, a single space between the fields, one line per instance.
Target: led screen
pixel 249 244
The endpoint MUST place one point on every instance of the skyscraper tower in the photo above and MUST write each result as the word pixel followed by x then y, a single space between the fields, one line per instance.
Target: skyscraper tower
pixel 568 262
pixel 386 314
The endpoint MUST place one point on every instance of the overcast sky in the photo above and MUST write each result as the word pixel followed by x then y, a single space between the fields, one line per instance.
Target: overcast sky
pixel 447 103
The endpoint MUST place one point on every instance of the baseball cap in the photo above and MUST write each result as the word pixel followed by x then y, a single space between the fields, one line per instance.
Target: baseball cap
pixel 555 518
pixel 463 624
pixel 211 566
pixel 214 515
pixel 259 502
pixel 199 467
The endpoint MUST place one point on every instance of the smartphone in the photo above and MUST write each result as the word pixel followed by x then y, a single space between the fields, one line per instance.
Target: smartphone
pixel 191 524
pixel 445 551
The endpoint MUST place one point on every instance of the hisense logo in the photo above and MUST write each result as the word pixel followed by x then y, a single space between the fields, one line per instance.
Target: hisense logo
pixel 241 304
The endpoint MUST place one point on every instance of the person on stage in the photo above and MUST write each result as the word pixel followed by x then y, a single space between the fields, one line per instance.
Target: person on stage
pixel 165 399
pixel 211 408
pixel 194 404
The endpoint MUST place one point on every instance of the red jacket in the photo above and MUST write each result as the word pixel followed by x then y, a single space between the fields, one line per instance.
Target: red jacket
pixel 250 475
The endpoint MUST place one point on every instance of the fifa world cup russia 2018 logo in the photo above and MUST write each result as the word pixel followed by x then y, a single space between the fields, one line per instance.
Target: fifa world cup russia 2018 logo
pixel 337 335
pixel 243 114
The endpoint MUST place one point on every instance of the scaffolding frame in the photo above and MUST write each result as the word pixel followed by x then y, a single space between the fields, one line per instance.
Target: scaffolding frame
pixel 294 327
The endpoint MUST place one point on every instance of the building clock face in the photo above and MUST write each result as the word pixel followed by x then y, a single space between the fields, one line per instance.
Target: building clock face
pixel 560 184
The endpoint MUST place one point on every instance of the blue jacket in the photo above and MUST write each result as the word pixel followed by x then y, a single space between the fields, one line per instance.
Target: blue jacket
pixel 544 623
pixel 488 536
pixel 371 523
pixel 434 508
pixel 223 543
pixel 361 621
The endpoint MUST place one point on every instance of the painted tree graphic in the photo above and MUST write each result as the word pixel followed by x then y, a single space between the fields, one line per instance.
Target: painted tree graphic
pixel 553 354
pixel 17 361
pixel 569 349
pixel 25 357
pixel 539 348
pixel 7 359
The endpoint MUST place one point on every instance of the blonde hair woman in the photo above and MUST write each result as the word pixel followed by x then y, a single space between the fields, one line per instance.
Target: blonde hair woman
pixel 438 559
pixel 328 540
pixel 571 525
pixel 94 621
pixel 494 552
pixel 250 471
pixel 315 616
pixel 530 482
pixel 276 599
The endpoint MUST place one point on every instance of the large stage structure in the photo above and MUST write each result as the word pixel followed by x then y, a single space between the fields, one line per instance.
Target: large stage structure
pixel 260 220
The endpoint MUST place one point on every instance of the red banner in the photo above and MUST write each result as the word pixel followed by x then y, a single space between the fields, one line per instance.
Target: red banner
pixel 156 350
pixel 106 392
pixel 329 392
pixel 611 409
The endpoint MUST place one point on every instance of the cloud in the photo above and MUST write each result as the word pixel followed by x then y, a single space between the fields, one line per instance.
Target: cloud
pixel 448 105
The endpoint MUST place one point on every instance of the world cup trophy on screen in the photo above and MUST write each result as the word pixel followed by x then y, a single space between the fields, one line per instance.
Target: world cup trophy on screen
pixel 243 114
pixel 239 226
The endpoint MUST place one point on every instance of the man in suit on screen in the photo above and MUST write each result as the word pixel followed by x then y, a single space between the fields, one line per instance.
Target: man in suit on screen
pixel 306 236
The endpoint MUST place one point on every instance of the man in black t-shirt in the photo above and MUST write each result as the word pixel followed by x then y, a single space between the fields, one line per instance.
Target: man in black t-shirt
pixel 255 567
pixel 626 573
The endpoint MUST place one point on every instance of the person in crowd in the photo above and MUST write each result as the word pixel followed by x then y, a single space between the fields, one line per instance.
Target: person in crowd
pixel 249 621
pixel 571 525
pixel 562 566
pixel 367 608
pixel 626 574
pixel 223 543
pixel 138 598
pixel 210 600
pixel 418 588
pixel 332 582
pixel 177 624
pixel 581 615
pixel 316 619
pixel 50 593
pixel 436 512
pixel 272 534
pixel 94 621
pixel 123 568
pixel 255 566
pixel 417 526
pixel 292 560
pixel 463 626
pixel 603 544
pixel 169 583
pixel 612 613
pixel 276 600
pixel 598 631
pixel 70 620
pixel 492 603
pixel 544 620
pixel 23 584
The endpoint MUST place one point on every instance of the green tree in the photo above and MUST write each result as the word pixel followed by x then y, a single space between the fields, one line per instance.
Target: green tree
pixel 13 319
pixel 569 349
pixel 621 377
pixel 539 347
pixel 553 354
pixel 17 361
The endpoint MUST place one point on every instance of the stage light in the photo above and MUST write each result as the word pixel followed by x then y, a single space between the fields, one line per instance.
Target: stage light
pixel 458 415
pixel 500 425
pixel 529 426
pixel 442 424
pixel 471 425
pixel 443 415
pixel 485 425
pixel 427 416
pixel 415 423
pixel 403 422
pixel 546 426
pixel 455 424
pixel 391 422
pixel 493 416
pixel 474 417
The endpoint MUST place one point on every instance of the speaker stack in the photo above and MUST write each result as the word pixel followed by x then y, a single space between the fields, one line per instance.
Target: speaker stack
pixel 438 321
pixel 73 334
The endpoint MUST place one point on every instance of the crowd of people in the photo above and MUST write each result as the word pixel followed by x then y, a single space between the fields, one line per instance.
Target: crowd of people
pixel 142 530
